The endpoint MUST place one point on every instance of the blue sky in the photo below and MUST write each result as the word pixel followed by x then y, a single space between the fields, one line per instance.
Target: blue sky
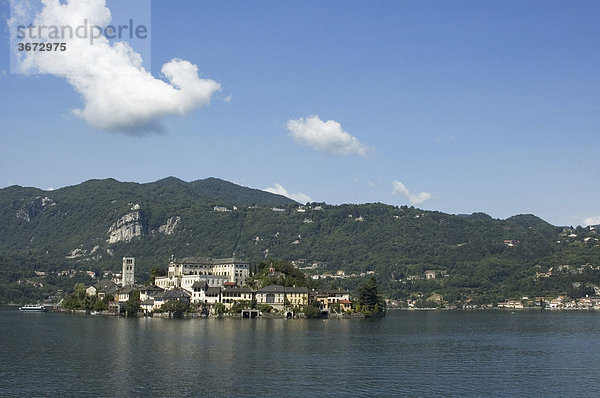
pixel 477 105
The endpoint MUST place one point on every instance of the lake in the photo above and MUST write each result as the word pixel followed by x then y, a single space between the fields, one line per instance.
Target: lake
pixel 410 353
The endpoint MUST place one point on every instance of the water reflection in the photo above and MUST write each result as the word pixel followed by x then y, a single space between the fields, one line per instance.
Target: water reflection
pixel 409 353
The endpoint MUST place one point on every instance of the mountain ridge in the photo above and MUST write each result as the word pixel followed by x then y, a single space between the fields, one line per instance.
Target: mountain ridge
pixel 93 224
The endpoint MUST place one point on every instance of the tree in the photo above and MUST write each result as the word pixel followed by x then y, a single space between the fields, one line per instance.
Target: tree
pixel 369 299
pixel 89 302
pixel 312 310
pixel 266 308
pixel 102 305
pixel 132 306
pixel 155 272
pixel 175 308
pixel 71 302
pixel 219 309
pixel 78 300
pixel 80 291
pixel 238 306
pixel 335 307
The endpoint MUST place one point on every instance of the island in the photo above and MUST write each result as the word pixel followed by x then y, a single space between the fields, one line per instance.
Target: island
pixel 203 287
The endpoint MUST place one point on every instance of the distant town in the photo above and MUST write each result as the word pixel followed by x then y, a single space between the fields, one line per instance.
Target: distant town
pixel 216 286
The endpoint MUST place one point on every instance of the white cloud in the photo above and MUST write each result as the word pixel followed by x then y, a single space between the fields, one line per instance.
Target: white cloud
pixel 298 197
pixel 414 199
pixel 591 221
pixel 328 137
pixel 118 93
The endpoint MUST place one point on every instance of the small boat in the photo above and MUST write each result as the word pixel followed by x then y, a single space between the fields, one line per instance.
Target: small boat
pixel 32 308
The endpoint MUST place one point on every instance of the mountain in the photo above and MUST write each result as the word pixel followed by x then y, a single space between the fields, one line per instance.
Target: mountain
pixel 90 226
pixel 220 191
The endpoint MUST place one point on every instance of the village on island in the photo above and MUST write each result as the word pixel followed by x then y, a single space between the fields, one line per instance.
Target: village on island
pixel 207 286
pixel 203 287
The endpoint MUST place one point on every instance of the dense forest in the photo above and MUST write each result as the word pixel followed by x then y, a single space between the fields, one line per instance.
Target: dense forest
pixel 475 258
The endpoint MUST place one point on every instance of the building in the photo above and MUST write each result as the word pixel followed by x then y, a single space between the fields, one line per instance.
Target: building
pixel 273 295
pixel 147 306
pixel 230 296
pixel 557 303
pixel 198 292
pixel 163 297
pixel 176 295
pixel 202 293
pixel 128 274
pixel 157 301
pixel 430 274
pixel 511 242
pixel 148 292
pixel 106 287
pixel 116 307
pixel 147 297
pixel 345 305
pixel 124 294
pixel 296 296
pixel 213 295
pixel 279 297
pixel 91 291
pixel 215 272
pixel 512 304
pixel 329 298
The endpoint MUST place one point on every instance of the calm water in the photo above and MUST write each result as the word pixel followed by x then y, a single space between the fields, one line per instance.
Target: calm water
pixel 407 354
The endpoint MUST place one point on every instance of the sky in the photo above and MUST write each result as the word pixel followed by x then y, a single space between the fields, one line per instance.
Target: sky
pixel 455 106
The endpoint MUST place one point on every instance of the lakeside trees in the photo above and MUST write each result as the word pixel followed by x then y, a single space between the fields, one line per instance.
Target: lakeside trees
pixel 175 308
pixel 370 301
pixel 312 310
pixel 132 306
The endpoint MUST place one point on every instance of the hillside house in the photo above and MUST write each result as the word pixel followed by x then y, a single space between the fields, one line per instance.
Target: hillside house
pixel 430 274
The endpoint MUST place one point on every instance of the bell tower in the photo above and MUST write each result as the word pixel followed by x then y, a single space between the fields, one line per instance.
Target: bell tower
pixel 128 271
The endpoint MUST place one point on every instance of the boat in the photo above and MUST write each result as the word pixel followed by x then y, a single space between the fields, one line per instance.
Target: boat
pixel 32 308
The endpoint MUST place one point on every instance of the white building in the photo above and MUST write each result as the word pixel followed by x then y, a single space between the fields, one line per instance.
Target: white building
pixel 127 278
pixel 202 293
pixel 230 296
pixel 214 272
pixel 273 295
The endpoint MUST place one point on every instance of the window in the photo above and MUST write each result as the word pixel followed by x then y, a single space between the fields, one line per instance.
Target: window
pixel 270 298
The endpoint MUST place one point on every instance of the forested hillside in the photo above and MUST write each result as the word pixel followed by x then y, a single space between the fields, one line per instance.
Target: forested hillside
pixel 90 226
